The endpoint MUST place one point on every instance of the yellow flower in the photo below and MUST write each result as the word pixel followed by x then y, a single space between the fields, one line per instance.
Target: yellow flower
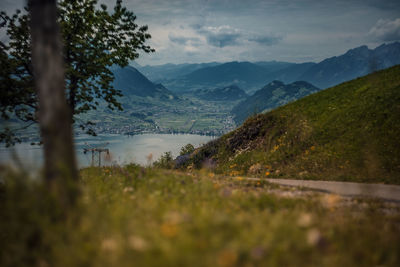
pixel 330 200
pixel 275 148
pixel 169 230
pixel 312 147
pixel 267 173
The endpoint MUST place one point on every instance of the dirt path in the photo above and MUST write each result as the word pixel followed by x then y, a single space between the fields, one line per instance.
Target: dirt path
pixel 382 191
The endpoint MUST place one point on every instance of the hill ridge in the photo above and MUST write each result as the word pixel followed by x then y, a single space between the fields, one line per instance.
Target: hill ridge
pixel 272 95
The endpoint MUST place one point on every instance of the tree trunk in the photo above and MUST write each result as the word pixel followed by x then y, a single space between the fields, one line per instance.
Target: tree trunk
pixel 54 114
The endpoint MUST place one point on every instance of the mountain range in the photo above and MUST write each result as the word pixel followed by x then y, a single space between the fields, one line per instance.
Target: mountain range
pixel 159 73
pixel 354 63
pixel 251 76
pixel 131 82
pixel 227 83
pixel 272 95
pixel 228 93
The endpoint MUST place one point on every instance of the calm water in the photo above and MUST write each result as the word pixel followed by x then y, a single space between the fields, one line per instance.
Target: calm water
pixel 123 149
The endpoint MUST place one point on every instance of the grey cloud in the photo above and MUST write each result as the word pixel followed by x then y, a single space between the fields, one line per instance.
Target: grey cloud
pixel 267 40
pixel 221 36
pixel 182 40
pixel 321 28
pixel 386 30
pixel 196 26
pixel 228 36
pixel 223 39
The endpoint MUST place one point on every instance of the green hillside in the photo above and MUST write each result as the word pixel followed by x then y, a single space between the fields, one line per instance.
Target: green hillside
pixel 348 132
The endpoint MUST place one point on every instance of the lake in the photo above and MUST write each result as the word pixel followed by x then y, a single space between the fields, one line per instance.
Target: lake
pixel 123 149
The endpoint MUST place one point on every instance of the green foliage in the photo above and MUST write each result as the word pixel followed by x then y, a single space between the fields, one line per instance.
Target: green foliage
pixel 134 216
pixel 187 149
pixel 349 132
pixel 94 40
pixel 165 161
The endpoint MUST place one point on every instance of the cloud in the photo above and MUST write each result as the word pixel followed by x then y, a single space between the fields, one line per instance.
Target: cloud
pixel 386 30
pixel 267 40
pixel 183 40
pixel 223 36
pixel 220 36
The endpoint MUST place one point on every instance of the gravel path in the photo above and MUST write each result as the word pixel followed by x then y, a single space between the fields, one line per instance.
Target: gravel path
pixel 382 191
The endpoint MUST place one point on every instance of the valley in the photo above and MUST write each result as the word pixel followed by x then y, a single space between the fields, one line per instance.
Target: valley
pixel 214 98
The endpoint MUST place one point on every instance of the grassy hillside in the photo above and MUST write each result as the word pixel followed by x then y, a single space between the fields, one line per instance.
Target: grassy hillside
pixel 348 132
pixel 146 217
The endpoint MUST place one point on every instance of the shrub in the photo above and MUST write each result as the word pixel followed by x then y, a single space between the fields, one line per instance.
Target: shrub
pixel 165 161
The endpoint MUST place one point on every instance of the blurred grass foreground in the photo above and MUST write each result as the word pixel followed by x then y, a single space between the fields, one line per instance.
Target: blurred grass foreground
pixel 136 216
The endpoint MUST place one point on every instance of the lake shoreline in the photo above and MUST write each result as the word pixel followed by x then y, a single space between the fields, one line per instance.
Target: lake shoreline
pixel 142 149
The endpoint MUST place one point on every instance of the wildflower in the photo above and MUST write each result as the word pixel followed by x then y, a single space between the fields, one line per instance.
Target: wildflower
pixel 312 148
pixel 267 173
pixel 255 168
pixel 275 148
pixel 330 200
pixel 109 244
pixel 169 230
pixel 128 189
pixel 138 243
pixel 314 237
pixel 304 220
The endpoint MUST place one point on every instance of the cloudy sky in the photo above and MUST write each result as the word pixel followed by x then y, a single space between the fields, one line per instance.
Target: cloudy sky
pixel 253 30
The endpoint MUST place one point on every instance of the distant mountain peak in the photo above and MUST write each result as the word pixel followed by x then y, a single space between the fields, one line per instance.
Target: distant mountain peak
pixel 361 50
pixel 276 83
pixel 354 63
pixel 132 82
pixel 274 94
